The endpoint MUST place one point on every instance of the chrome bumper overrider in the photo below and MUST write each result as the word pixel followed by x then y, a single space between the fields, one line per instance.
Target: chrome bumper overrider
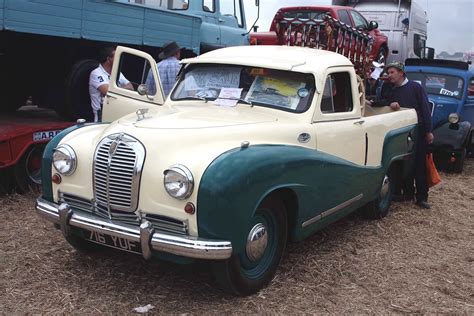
pixel 149 239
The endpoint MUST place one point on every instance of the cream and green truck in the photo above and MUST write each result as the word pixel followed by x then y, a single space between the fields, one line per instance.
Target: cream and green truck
pixel 255 146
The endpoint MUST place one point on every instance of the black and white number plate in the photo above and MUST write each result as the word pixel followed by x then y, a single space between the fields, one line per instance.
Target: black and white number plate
pixel 45 135
pixel 113 241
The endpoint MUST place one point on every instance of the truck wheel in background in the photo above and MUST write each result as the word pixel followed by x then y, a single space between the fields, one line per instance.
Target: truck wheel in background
pixel 77 99
pixel 379 208
pixel 246 273
pixel 27 171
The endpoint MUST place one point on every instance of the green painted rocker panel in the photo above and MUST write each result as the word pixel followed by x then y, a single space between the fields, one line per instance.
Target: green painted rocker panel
pixel 237 181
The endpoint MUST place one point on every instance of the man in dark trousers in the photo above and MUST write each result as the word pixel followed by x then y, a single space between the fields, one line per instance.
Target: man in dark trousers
pixel 409 94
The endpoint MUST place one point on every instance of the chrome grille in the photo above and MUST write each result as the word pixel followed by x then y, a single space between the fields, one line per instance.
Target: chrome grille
pixel 118 164
pixel 161 223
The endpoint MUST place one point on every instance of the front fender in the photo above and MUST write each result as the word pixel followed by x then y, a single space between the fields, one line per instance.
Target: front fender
pixel 47 161
pixel 235 183
pixel 452 138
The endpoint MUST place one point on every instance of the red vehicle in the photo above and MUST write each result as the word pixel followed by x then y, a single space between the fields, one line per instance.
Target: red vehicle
pixel 23 136
pixel 301 14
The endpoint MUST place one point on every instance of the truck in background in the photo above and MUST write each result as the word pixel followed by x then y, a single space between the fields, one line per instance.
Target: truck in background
pixel 405 22
pixel 48 48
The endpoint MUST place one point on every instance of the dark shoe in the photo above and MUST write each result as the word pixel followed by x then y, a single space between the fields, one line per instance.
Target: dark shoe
pixel 402 198
pixel 423 204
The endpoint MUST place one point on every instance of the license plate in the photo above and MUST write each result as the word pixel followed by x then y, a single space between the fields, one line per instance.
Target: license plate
pixel 45 135
pixel 113 241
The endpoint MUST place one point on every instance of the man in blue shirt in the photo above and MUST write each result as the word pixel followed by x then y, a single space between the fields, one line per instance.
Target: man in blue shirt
pixel 409 94
pixel 168 69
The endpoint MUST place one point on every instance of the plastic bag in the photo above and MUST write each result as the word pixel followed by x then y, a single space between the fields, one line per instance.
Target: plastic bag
pixel 432 175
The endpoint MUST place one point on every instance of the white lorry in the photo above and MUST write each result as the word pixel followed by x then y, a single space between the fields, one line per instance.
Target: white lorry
pixel 405 22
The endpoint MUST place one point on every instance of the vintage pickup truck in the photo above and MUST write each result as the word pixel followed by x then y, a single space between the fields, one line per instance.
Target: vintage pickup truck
pixel 255 146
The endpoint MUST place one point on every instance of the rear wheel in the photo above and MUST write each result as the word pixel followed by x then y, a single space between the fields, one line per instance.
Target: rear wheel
pixel 251 270
pixel 380 207
pixel 28 170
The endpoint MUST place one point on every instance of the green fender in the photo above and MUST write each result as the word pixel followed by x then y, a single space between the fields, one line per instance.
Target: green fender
pixel 47 161
pixel 236 182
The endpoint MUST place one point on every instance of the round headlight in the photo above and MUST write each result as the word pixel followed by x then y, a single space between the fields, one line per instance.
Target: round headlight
pixel 64 160
pixel 178 182
pixel 453 118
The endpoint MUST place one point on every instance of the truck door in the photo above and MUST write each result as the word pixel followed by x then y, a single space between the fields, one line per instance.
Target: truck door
pixel 338 125
pixel 140 70
pixel 210 28
pixel 232 23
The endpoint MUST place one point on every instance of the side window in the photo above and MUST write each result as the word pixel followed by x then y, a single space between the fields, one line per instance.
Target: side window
pixel 136 74
pixel 359 20
pixel 337 93
pixel 418 43
pixel 208 5
pixel 171 5
pixel 344 17
pixel 231 9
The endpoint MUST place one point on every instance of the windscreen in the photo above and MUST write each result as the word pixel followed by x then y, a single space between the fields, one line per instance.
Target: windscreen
pixel 283 90
pixel 439 84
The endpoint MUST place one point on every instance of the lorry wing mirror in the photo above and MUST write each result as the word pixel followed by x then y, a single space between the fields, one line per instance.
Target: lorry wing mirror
pixel 373 25
pixel 427 52
pixel 257 3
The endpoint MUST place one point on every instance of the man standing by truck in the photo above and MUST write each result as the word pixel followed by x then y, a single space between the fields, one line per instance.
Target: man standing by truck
pixel 99 81
pixel 409 94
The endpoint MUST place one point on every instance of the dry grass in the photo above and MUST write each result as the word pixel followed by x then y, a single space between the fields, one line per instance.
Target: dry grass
pixel 413 261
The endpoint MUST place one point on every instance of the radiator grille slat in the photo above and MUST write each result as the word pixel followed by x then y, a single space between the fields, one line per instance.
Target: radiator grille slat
pixel 117 169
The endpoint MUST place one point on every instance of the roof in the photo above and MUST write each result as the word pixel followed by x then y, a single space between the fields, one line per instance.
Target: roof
pixel 301 59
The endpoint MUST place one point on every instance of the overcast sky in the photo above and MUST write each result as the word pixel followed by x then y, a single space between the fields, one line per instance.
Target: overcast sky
pixel 450 27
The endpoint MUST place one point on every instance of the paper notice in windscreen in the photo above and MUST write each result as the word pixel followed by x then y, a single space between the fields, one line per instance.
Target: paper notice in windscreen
pixel 228 97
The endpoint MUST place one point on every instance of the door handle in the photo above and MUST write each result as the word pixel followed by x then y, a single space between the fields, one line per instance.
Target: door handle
pixel 359 122
pixel 220 20
pixel 111 97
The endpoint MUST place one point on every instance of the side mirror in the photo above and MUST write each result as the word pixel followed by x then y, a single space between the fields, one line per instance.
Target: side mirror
pixel 257 3
pixel 255 28
pixel 427 52
pixel 373 25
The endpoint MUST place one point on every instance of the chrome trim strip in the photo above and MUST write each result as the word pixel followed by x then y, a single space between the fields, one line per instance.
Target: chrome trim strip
pixel 332 210
pixel 186 246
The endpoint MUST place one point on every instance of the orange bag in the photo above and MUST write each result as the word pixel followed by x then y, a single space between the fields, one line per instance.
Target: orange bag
pixel 432 175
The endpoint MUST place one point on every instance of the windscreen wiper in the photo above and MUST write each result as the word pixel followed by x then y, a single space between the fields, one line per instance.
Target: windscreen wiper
pixel 194 98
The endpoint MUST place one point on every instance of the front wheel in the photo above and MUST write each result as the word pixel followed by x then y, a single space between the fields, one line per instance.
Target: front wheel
pixel 247 272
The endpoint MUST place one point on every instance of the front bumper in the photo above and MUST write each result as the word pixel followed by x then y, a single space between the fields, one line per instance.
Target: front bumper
pixel 149 239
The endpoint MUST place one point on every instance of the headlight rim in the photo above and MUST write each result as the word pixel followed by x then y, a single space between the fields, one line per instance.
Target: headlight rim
pixel 184 171
pixel 70 151
pixel 453 118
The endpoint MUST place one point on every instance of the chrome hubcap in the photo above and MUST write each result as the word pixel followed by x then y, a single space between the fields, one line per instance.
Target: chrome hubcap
pixel 257 242
pixel 385 187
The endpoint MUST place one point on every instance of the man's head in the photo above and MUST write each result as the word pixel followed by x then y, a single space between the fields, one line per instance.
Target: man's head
pixel 106 55
pixel 396 73
pixel 169 50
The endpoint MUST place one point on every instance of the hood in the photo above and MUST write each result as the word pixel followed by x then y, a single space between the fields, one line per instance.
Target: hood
pixel 197 117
